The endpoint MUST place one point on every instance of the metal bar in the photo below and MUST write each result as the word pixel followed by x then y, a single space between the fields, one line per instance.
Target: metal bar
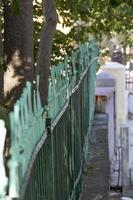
pixel 50 157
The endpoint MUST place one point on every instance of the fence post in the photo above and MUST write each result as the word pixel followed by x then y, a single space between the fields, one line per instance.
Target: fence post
pixel 3 178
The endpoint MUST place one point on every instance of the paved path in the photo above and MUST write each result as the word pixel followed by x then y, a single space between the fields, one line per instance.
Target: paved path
pixel 95 178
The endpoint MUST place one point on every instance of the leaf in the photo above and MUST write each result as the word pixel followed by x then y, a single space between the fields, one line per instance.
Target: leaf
pixel 15 4
pixel 4 115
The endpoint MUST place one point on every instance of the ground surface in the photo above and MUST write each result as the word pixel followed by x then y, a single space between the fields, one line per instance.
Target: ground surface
pixel 95 178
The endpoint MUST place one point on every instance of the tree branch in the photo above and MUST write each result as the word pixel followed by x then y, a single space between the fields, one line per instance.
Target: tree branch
pixel 1 68
pixel 45 46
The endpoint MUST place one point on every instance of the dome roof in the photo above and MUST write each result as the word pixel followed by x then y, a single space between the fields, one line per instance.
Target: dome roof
pixel 105 79
pixel 114 65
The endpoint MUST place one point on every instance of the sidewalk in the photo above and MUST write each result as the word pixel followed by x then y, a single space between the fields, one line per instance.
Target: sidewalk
pixel 95 178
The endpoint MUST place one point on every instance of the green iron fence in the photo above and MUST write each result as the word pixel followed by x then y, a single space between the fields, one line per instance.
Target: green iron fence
pixel 27 126
pixel 48 148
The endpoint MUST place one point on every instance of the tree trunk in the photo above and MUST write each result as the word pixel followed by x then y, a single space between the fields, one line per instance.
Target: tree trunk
pixel 18 50
pixel 1 58
pixel 45 47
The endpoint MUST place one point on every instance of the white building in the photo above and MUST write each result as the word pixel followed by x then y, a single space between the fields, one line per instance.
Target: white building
pixel 116 99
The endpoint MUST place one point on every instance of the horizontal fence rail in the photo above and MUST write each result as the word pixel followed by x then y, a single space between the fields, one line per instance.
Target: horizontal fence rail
pixel 48 148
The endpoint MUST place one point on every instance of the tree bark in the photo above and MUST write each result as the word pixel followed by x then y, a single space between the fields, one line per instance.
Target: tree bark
pixel 45 47
pixel 1 69
pixel 18 50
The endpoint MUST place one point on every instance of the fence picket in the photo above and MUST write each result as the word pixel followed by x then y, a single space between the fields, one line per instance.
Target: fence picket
pixel 34 147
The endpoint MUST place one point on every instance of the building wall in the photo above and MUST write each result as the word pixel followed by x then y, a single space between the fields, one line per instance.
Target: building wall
pixel 118 71
pixel 109 109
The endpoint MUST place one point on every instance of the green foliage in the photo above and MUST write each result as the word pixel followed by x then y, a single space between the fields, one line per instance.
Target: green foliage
pixel 62 46
pixel 85 18
pixel 4 115
pixel 93 18
pixel 1 35
pixel 1 61
pixel 15 4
